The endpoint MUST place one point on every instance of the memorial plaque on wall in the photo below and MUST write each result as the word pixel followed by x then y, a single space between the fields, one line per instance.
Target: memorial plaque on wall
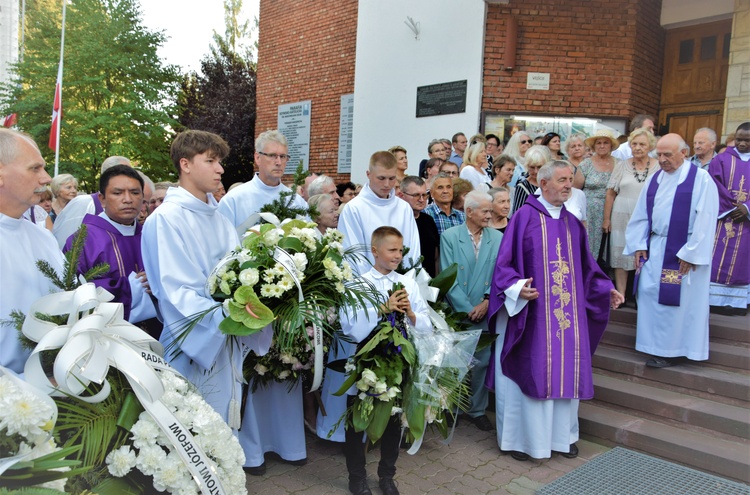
pixel 294 124
pixel 441 99
pixel 346 126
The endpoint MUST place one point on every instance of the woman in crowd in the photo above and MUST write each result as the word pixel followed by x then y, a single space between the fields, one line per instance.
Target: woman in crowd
pixel 402 162
pixel 46 201
pixel 575 148
pixel 537 156
pixel 552 141
pixel 517 147
pixel 475 163
pixel 64 188
pixel 592 177
pixel 327 216
pixel 431 169
pixel 346 191
pixel 500 208
pixel 461 187
pixel 623 189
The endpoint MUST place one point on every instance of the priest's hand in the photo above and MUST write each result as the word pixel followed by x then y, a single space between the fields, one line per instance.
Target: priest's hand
pixel 738 213
pixel 528 292
pixel 615 299
pixel 144 281
pixel 479 311
pixel 640 259
pixel 685 267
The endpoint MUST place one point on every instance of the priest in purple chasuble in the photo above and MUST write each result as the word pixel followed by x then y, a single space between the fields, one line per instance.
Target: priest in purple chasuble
pixel 114 237
pixel 671 235
pixel 549 304
pixel 730 269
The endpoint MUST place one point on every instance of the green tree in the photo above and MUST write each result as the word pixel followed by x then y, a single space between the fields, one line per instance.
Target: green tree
pixel 222 98
pixel 116 91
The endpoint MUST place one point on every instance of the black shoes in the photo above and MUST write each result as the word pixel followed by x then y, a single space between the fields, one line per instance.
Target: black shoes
pixel 660 362
pixel 515 454
pixel 360 487
pixel 298 462
pixel 388 486
pixel 256 471
pixel 572 454
pixel 482 422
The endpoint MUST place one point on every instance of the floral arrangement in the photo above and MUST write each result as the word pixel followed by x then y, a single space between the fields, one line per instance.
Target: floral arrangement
pixel 418 377
pixel 287 275
pixel 149 451
pixel 109 420
pixel 30 455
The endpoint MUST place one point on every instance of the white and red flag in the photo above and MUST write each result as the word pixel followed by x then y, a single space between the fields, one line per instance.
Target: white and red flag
pixel 54 133
pixel 10 120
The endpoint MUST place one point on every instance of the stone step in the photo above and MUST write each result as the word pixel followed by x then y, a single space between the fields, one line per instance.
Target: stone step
pixel 699 377
pixel 703 452
pixel 723 418
pixel 723 353
pixel 735 328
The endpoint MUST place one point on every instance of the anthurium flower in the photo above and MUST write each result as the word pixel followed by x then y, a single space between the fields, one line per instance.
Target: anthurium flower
pixel 248 310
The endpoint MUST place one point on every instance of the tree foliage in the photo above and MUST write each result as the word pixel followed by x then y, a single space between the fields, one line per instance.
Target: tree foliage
pixel 116 91
pixel 221 98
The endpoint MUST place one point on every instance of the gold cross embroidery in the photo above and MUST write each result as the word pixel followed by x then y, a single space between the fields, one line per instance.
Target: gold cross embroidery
pixel 740 194
pixel 729 231
pixel 560 289
pixel 670 277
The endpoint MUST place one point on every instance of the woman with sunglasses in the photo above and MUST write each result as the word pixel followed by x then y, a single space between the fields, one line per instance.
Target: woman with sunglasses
pixel 517 147
pixel 537 156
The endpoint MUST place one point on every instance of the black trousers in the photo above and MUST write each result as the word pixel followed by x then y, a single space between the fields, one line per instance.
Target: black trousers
pixel 354 449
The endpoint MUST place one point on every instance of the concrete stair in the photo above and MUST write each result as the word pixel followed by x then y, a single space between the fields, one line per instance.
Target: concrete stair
pixel 696 414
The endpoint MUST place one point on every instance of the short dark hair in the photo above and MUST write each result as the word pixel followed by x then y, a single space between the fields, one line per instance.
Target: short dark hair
pixel 189 143
pixel 411 179
pixel 639 119
pixel 115 171
pixel 745 126
pixel 549 137
pixel 493 136
pixel 342 188
pixel 454 139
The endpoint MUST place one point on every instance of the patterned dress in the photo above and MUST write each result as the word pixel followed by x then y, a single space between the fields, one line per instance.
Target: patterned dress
pixel 624 182
pixel 595 189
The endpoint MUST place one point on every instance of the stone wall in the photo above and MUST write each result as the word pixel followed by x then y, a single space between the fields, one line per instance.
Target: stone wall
pixel 737 103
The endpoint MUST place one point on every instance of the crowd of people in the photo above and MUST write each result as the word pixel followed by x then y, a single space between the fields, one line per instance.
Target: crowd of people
pixel 528 225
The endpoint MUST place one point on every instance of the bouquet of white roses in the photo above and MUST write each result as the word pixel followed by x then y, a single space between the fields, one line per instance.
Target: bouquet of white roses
pixel 288 275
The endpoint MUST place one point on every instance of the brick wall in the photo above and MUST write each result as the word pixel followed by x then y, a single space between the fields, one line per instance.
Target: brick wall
pixel 604 57
pixel 307 51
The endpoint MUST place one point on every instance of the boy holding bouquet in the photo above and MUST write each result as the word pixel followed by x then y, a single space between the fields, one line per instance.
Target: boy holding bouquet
pixel 404 304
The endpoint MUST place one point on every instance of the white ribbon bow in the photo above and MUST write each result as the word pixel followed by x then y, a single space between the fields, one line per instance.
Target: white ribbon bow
pixel 96 337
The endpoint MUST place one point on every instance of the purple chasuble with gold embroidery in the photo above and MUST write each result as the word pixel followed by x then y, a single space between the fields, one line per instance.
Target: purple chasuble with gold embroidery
pixel 548 345
pixel 105 244
pixel 731 254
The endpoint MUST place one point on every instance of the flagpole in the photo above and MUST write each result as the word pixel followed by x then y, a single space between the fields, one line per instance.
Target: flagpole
pixel 59 81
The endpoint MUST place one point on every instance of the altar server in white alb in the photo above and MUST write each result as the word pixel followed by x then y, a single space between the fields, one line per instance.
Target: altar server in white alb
pixel 181 243
pixel 264 427
pixel 671 234
pixel 376 206
pixel 22 181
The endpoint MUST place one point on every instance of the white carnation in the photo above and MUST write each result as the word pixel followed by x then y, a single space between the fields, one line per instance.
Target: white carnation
pixel 120 461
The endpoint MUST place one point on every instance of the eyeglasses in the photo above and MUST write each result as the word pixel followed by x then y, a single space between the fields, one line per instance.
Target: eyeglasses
pixel 274 156
pixel 418 195
pixel 526 141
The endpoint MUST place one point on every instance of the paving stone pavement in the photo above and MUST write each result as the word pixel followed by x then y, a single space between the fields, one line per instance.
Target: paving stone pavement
pixel 470 465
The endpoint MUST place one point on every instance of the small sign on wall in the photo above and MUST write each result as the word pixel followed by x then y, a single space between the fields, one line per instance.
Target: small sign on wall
pixel 294 124
pixel 537 80
pixel 346 128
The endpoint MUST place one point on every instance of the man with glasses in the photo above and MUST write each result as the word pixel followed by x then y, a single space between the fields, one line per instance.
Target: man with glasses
pixel 449 168
pixel 413 190
pixel 263 428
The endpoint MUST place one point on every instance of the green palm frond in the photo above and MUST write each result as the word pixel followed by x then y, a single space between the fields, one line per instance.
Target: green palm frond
pixel 93 426
pixel 41 470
